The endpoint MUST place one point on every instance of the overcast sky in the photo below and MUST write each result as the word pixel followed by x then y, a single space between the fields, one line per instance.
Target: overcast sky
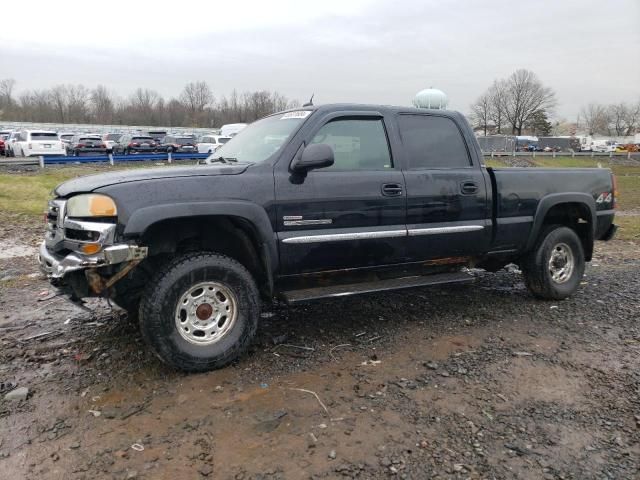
pixel 365 51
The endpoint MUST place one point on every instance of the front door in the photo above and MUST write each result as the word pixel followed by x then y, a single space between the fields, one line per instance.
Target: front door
pixel 448 215
pixel 348 215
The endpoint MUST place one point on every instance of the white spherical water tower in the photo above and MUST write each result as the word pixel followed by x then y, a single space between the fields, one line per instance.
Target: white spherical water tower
pixel 431 98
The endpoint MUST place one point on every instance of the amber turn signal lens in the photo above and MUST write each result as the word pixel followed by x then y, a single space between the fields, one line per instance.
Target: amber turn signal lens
pixel 91 248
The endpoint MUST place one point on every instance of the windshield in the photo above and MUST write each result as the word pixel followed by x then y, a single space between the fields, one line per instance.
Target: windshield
pixel 261 139
pixel 185 140
pixel 142 139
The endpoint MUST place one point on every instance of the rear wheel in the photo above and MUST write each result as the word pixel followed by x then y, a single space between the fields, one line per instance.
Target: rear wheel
pixel 554 268
pixel 200 311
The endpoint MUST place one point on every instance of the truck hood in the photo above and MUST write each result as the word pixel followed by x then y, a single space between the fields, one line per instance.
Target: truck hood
pixel 93 182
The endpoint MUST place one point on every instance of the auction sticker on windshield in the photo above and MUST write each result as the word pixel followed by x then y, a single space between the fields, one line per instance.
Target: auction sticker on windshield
pixel 297 114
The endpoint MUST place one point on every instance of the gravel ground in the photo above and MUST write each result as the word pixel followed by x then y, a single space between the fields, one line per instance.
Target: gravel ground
pixel 473 381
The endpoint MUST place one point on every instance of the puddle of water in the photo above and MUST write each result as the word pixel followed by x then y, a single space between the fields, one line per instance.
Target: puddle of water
pixel 10 249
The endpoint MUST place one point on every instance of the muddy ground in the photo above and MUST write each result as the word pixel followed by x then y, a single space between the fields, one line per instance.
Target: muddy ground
pixel 473 381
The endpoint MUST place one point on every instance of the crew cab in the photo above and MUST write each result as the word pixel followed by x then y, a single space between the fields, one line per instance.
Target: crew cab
pixel 38 142
pixel 312 203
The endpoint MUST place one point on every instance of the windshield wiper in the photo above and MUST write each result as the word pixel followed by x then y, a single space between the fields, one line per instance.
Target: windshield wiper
pixel 224 160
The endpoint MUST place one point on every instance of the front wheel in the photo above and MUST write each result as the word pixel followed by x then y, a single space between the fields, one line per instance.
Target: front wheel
pixel 200 311
pixel 554 268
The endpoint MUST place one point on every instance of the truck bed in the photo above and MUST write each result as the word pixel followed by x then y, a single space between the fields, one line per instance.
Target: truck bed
pixel 518 192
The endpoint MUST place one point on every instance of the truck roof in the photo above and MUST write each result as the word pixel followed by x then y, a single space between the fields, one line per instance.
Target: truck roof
pixel 337 107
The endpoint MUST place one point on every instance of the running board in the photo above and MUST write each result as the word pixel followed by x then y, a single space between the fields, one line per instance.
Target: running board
pixel 296 296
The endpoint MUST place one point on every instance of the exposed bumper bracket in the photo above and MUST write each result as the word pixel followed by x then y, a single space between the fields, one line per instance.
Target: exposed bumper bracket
pixel 57 266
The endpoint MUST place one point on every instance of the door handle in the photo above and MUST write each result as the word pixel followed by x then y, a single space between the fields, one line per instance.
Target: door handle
pixel 469 188
pixel 391 189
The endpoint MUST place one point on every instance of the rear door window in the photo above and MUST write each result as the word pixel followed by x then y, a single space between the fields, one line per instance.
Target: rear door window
pixel 432 142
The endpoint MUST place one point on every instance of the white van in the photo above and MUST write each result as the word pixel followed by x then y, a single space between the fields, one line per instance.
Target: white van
pixel 210 143
pixel 38 142
pixel 231 129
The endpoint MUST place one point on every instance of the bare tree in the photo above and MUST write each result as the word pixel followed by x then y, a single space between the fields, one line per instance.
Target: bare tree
pixel 196 96
pixel 623 118
pixel 142 105
pixel 498 103
pixel 481 112
pixel 194 107
pixel 78 103
pixel 525 96
pixel 102 104
pixel 58 96
pixel 594 118
pixel 6 93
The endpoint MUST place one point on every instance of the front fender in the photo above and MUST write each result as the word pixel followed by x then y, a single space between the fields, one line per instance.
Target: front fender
pixel 550 201
pixel 145 217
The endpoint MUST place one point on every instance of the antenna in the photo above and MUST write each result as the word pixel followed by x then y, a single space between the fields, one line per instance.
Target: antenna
pixel 310 102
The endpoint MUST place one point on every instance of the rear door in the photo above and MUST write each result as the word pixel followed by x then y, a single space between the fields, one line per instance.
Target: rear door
pixel 448 214
pixel 348 215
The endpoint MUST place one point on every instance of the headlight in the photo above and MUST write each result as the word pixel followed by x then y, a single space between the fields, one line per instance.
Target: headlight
pixel 93 205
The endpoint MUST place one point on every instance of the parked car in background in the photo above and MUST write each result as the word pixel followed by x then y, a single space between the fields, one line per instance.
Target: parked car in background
pixel 110 139
pixel 86 144
pixel 38 142
pixel 3 136
pixel 135 143
pixel 232 129
pixel 65 137
pixel 157 135
pixel 9 142
pixel 178 144
pixel 209 143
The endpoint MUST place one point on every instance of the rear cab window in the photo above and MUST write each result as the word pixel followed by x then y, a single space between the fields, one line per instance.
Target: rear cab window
pixel 432 141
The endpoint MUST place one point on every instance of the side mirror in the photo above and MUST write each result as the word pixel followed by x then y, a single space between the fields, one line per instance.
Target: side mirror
pixel 316 155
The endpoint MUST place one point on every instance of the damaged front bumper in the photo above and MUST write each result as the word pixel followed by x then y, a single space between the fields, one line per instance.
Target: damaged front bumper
pixel 57 266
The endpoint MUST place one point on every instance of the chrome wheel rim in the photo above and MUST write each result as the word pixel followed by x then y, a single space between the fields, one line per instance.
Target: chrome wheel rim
pixel 205 313
pixel 561 263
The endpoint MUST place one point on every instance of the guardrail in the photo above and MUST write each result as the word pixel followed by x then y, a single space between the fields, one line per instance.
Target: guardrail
pixel 562 154
pixel 43 161
pixel 112 159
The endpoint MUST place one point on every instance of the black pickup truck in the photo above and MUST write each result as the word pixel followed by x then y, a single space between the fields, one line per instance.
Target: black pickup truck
pixel 310 203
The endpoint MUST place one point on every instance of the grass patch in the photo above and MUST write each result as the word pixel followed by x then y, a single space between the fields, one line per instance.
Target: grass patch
pixel 628 192
pixel 569 162
pixel 629 227
pixel 495 162
pixel 26 193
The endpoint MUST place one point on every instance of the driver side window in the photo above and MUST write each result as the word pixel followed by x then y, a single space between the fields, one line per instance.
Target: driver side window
pixel 358 144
